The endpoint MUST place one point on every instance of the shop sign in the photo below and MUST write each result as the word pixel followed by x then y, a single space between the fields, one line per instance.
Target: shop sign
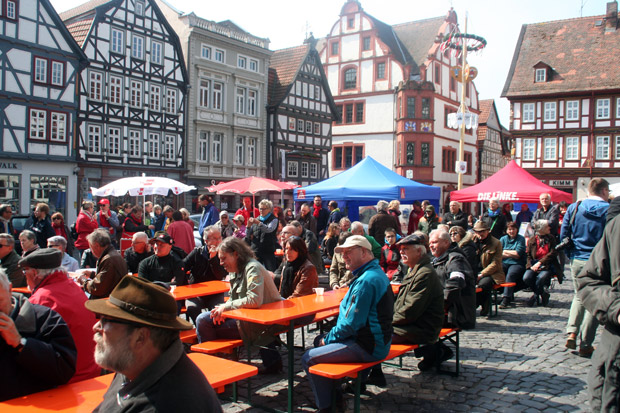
pixel 11 165
pixel 562 182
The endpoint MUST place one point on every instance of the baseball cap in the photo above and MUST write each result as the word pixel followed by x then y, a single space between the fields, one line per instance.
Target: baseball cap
pixel 354 241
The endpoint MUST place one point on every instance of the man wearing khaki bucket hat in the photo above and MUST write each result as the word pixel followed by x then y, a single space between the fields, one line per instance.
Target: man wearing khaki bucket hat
pixel 137 336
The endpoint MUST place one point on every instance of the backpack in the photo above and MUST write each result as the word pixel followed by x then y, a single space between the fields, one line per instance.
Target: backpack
pixel 73 231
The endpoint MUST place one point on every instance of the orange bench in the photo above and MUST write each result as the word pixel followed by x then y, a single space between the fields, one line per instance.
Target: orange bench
pixel 220 345
pixel 495 294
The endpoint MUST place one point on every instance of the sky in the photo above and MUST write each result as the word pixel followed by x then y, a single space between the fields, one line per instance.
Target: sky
pixel 286 22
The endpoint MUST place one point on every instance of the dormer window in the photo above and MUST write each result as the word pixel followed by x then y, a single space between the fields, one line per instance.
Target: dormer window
pixel 351 22
pixel 541 75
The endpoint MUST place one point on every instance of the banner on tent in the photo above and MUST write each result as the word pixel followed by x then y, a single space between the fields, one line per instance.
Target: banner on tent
pixel 301 194
pixel 502 196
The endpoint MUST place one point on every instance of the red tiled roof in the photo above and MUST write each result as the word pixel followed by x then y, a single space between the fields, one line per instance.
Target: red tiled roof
pixel 283 69
pixel 79 29
pixel 582 55
pixel 82 9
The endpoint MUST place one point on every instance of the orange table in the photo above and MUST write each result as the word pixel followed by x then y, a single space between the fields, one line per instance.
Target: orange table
pixel 183 292
pixel 287 311
pixel 85 395
pixel 22 290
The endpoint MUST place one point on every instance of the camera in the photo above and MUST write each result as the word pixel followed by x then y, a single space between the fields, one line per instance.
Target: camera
pixel 566 243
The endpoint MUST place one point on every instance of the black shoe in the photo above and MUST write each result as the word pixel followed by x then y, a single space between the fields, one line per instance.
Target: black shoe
pixel 446 353
pixel 349 387
pixel 545 298
pixel 275 368
pixel 505 303
pixel 531 301
pixel 485 308
pixel 376 377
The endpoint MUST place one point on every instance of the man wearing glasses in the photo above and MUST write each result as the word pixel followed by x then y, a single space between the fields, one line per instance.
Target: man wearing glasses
pixel 261 234
pixel 9 260
pixel 139 250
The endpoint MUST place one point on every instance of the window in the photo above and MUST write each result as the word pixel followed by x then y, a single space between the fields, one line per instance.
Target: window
pixel 204 93
pixel 602 109
pixel 618 147
pixel 134 143
pixel 9 190
pixel 529 149
pixel 171 100
pixel 317 128
pixel 216 148
pixel 425 153
pixel 304 169
pixel 217 96
pixel 155 98
pixel 137 47
pixel 156 55
pixel 317 93
pixel 447 112
pixel 618 108
pixel 251 103
pixel 351 22
pixel 292 123
pixel 410 107
pixel 308 127
pixel 153 145
pixel 541 75
pixel 426 108
pixel 359 112
pixel 448 160
pixel 251 158
pixel 350 78
pixel 94 86
pixel 549 111
pixel 452 84
pixel 114 141
pixel 345 156
pixel 117 41
pixel 58 127
pixel 203 146
pixel 10 9
pixel 49 189
pixel 528 112
pixel 468 160
pixel 335 48
pixel 136 93
pixel 550 146
pixel 38 122
pixel 437 73
pixel 139 8
pixel 291 169
pixel 572 110
pixel 242 62
pixel 300 125
pixel 169 147
pixel 254 65
pixel 381 70
pixel 40 70
pixel 94 139
pixel 410 153
pixel 240 108
pixel 602 147
pixel 116 90
pixel 58 73
pixel 366 43
pixel 339 118
pixel 239 150
pixel 314 170
pixel 219 55
pixel 572 148
pixel 205 51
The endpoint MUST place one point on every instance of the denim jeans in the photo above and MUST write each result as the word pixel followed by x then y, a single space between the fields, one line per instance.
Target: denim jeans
pixel 580 321
pixel 537 281
pixel 197 304
pixel 347 351
pixel 514 274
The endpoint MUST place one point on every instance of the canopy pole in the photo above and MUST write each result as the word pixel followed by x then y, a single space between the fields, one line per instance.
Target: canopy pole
pixel 463 107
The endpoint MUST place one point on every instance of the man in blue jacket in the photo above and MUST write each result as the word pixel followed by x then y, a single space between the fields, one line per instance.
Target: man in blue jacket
pixel 210 214
pixel 587 229
pixel 363 331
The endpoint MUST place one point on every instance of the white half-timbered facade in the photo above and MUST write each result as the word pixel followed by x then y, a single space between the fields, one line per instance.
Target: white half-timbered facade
pixel 132 96
pixel 300 115
pixel 39 68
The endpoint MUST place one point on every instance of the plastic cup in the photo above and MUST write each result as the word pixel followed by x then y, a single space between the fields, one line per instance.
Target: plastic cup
pixel 319 290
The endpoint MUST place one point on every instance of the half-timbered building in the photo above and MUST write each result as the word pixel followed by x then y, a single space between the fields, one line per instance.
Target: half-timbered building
pixel 564 93
pixel 494 143
pixel 300 114
pixel 132 96
pixel 39 67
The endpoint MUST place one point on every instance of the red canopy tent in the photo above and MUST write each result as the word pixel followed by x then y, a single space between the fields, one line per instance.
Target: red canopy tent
pixel 510 184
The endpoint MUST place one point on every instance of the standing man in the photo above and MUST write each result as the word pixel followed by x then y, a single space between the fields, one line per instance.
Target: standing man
pixel 6 213
pixel 40 223
pixel 414 217
pixel 246 209
pixel 111 266
pixel 137 336
pixel 334 213
pixel 380 222
pixel 9 261
pixel 588 224
pixel 321 215
pixel 306 218
pixel 494 219
pixel 525 215
pixel 210 214
pixel 107 219
pixel 261 235
pixel 548 212
pixel 148 216
pixel 455 217
pixel 363 332
pixel 85 224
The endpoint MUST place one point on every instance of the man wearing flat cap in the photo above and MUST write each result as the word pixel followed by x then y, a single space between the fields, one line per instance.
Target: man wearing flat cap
pixel 164 265
pixel 363 331
pixel 492 272
pixel 137 336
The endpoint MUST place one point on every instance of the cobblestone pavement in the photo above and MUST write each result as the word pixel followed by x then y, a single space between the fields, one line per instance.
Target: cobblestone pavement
pixel 516 362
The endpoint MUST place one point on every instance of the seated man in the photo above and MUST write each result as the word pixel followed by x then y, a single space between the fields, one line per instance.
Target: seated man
pixel 38 352
pixel 513 262
pixel 60 243
pixel 390 256
pixel 139 250
pixel 357 228
pixel 111 266
pixel 137 336
pixel 363 331
pixel 314 254
pixel 52 288
pixel 490 254
pixel 9 260
pixel 165 265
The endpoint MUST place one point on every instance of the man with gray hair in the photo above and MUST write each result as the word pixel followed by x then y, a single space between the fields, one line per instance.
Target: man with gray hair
pixel 60 243
pixel 9 260
pixel 494 219
pixel 139 250
pixel 37 352
pixel 549 212
pixel 111 267
pixel 261 235
pixel 381 221
pixel 314 254
pixel 357 228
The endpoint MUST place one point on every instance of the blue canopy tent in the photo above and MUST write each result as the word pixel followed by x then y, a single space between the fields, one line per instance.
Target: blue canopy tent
pixel 365 184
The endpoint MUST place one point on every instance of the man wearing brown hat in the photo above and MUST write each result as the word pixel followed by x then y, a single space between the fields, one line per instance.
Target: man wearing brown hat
pixel 164 265
pixel 490 254
pixel 111 266
pixel 137 336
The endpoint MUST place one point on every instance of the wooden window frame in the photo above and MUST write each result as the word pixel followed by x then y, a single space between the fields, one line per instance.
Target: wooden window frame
pixel 342 148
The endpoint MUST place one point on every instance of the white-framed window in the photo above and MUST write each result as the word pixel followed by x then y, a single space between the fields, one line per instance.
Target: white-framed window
pixel 38 123
pixel 317 93
pixel 11 9
pixel 541 75
pixel 300 125
pixel 118 41
pixel 203 146
pixel 529 149
pixel 253 65
pixel 94 139
pixel 550 149
pixel 40 70
pixel 94 85
pixel 572 148
pixel 239 150
pixel 251 153
pixel 242 62
pixel 252 102
pixel 153 145
pixel 171 100
pixel 314 170
pixel 116 90
pixel 58 73
pixel 155 98
pixel 218 92
pixel 169 147
pixel 550 111
pixel 240 106
pixel 292 123
pixel 617 146
pixel 204 93
pixel 216 148
pixel 135 141
pixel 572 110
pixel 317 128
pixel 156 52
pixel 137 47
pixel 219 55
pixel 528 112
pixel 304 169
pixel 308 127
pixel 114 141
pixel 602 147
pixel 58 127
pixel 205 51
pixel 291 169
pixel 139 8
pixel 618 108
pixel 136 90
pixel 602 108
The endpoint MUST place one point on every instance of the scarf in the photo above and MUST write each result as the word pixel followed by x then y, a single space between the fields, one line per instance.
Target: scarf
pixel 493 213
pixel 263 218
pixel 542 248
pixel 288 276
pixel 59 229
pixel 316 211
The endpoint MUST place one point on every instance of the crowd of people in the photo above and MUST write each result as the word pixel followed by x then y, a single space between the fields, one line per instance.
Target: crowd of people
pixel 268 254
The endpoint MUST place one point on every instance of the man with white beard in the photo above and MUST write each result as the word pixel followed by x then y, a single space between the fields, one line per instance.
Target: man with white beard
pixel 137 336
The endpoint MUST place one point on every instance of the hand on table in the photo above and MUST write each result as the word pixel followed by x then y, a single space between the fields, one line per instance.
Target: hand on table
pixel 8 331
pixel 217 315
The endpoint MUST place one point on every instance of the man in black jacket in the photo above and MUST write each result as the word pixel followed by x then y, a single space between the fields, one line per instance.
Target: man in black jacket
pixel 321 215
pixel 455 217
pixel 165 266
pixel 495 220
pixel 138 251
pixel 261 235
pixel 549 212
